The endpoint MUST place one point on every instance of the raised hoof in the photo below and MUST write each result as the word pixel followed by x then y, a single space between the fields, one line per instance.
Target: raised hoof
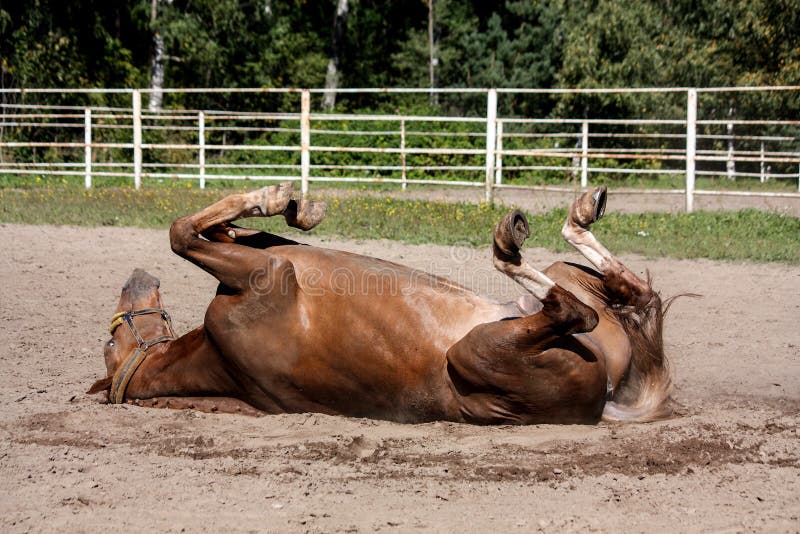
pixel 305 214
pixel 510 234
pixel 589 208
pixel 273 199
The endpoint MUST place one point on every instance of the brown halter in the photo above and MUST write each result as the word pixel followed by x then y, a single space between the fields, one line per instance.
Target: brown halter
pixel 126 371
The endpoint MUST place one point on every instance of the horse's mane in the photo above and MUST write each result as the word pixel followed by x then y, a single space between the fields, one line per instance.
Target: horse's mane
pixel 644 394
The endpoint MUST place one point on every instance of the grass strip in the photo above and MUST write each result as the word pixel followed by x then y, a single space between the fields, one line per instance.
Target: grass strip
pixel 661 181
pixel 747 235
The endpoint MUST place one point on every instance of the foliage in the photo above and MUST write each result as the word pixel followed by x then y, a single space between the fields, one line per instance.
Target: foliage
pixel 510 43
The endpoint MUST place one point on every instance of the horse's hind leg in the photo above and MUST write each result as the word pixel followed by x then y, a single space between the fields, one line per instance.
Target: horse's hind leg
pixel 302 214
pixel 529 369
pixel 623 285
pixel 265 202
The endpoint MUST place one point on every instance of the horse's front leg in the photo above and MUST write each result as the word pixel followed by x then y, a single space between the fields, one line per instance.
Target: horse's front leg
pixel 643 380
pixel 200 404
pixel 623 286
pixel 509 235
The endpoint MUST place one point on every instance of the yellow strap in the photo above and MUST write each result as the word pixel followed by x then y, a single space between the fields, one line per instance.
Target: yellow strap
pixel 116 320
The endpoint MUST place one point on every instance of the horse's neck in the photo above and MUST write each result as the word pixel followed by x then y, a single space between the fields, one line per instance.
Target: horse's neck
pixel 189 365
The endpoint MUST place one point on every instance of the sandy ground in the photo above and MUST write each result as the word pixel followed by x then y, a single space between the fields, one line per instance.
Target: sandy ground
pixel 731 462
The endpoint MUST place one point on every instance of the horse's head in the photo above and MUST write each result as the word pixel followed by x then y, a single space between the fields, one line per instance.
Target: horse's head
pixel 139 323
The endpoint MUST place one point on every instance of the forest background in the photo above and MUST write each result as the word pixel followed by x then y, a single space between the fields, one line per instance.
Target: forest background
pixel 335 44
pixel 401 43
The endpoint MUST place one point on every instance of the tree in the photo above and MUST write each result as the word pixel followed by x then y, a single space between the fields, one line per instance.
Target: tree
pixel 157 69
pixel 417 43
pixel 46 43
pixel 332 74
pixel 433 61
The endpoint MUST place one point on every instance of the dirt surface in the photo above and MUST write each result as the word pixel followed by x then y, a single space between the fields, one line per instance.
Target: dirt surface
pixel 731 462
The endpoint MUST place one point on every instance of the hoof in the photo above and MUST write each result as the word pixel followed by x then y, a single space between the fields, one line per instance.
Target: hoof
pixel 510 234
pixel 589 208
pixel 273 199
pixel 305 214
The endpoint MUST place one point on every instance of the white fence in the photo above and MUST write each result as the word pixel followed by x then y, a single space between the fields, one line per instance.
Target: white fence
pixel 399 148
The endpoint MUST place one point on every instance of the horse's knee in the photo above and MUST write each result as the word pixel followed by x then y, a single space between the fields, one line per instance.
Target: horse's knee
pixel 181 234
pixel 624 287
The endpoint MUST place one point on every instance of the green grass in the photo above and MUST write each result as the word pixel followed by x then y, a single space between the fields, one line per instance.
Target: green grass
pixel 748 235
pixel 553 178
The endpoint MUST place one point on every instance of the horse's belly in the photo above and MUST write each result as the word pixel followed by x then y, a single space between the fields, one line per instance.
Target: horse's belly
pixel 349 335
pixel 363 359
pixel 350 359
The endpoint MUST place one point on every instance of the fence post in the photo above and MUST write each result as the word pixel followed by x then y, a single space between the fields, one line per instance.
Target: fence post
pixel 403 174
pixel 730 165
pixel 491 130
pixel 137 138
pixel 584 154
pixel 201 143
pixel 762 164
pixel 305 140
pixel 498 160
pixel 87 146
pixel 691 146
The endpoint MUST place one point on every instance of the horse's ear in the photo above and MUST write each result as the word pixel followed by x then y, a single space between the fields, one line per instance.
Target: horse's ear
pixel 104 384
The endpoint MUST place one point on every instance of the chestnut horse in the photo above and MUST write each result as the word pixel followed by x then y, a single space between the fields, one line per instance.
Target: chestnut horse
pixel 296 328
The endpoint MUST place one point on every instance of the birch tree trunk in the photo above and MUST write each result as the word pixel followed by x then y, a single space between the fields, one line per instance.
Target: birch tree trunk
pixel 157 66
pixel 432 59
pixel 332 75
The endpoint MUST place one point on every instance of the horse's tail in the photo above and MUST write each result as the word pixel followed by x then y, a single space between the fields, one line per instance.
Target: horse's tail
pixel 644 394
